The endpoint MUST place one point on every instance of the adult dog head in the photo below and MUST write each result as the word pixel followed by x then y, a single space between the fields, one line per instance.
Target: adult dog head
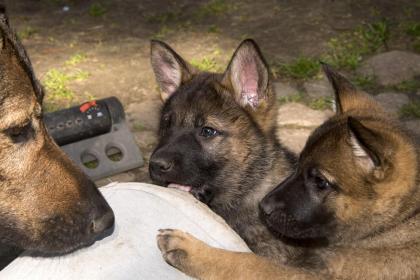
pixel 46 203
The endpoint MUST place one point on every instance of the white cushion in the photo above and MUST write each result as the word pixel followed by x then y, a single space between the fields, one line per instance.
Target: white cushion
pixel 131 252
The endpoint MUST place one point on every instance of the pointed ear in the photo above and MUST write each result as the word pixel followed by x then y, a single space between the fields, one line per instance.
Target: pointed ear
pixel 169 68
pixel 11 49
pixel 368 147
pixel 4 20
pixel 3 15
pixel 347 97
pixel 248 75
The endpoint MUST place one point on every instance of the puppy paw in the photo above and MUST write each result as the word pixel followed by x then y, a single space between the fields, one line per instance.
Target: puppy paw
pixel 173 246
pixel 183 251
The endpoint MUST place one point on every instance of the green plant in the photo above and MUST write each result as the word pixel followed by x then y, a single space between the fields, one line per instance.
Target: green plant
pixel 365 82
pixel 76 59
pixel 213 8
pixel 376 34
pixel 97 10
pixel 411 110
pixel 408 86
pixel 301 68
pixel 138 126
pixel 416 45
pixel 348 49
pixel 206 63
pixel 26 32
pixel 163 32
pixel 321 103
pixel 163 18
pixel 213 29
pixel 56 83
pixel 413 29
pixel 291 98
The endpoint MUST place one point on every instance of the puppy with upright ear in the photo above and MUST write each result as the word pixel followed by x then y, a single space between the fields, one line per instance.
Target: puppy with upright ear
pixel 216 132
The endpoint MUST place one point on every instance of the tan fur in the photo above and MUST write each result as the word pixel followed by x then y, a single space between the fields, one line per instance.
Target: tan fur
pixel 46 203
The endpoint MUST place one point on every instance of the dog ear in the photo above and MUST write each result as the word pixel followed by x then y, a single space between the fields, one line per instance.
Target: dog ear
pixel 4 21
pixel 347 97
pixel 171 71
pixel 248 75
pixel 12 49
pixel 369 147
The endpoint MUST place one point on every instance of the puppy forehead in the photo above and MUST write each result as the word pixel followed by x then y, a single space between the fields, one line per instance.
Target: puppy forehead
pixel 325 138
pixel 198 100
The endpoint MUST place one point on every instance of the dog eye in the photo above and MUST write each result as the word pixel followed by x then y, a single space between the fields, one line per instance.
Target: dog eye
pixel 19 133
pixel 322 184
pixel 208 132
pixel 166 119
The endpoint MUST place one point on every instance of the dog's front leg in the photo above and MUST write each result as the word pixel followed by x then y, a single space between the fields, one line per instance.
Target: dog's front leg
pixel 201 261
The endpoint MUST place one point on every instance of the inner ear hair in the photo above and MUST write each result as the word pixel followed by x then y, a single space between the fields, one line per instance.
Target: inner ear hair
pixel 170 69
pixel 363 142
pixel 248 75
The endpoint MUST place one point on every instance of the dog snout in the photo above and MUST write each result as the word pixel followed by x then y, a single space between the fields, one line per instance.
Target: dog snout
pixel 270 204
pixel 102 221
pixel 161 165
pixel 102 216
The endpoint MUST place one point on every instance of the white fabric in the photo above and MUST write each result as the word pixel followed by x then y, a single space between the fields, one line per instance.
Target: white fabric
pixel 131 252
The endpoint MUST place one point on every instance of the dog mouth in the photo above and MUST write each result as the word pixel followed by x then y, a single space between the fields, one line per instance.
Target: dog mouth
pixel 285 226
pixel 180 187
pixel 203 193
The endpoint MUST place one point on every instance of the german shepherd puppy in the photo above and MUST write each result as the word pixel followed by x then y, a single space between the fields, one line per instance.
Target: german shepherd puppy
pixel 217 138
pixel 356 188
pixel 46 203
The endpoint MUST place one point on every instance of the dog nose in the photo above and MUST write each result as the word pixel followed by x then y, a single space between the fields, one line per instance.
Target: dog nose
pixel 269 204
pixel 102 221
pixel 160 165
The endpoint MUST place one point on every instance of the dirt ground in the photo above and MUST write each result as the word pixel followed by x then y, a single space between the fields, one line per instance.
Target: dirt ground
pixel 109 41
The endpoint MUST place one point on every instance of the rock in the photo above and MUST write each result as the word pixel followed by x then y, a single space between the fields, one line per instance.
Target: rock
pixel 284 90
pixel 146 114
pixel 299 115
pixel 316 89
pixel 414 127
pixel 293 138
pixel 392 67
pixel 392 102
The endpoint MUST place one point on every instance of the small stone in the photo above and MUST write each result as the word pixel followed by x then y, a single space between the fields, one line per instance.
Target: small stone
pixel 392 102
pixel 284 90
pixel 299 115
pixel 316 89
pixel 414 127
pixel 392 67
